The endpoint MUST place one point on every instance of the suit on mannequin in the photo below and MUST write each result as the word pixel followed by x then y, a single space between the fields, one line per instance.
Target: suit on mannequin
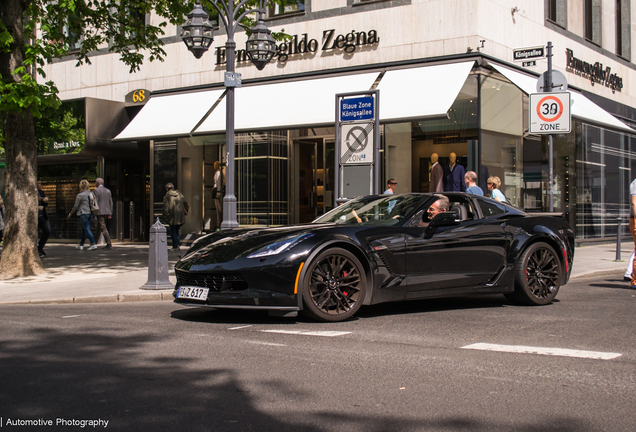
pixel 437 175
pixel 454 176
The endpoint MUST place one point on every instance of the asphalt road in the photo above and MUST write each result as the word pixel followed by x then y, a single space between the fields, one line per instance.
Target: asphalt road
pixel 399 367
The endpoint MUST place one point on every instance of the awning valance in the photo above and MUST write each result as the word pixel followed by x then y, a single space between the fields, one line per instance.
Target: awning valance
pixel 582 108
pixel 170 116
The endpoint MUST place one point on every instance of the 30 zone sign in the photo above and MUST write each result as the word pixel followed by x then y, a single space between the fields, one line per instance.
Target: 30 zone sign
pixel 550 113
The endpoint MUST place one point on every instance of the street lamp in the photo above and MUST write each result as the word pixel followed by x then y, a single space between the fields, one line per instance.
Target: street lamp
pixel 260 47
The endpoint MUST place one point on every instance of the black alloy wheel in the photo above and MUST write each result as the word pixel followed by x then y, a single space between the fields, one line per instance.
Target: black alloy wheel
pixel 334 286
pixel 538 275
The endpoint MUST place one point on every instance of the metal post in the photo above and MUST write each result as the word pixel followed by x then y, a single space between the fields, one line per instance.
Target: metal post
pixel 618 239
pixel 229 200
pixel 548 88
pixel 131 218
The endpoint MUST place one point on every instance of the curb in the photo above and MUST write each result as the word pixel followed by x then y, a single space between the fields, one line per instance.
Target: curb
pixel 115 298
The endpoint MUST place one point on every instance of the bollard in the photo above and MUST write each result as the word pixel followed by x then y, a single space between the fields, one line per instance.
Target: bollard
pixel 158 259
pixel 618 240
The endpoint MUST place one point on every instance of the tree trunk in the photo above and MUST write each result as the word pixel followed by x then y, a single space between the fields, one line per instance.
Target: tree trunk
pixel 19 254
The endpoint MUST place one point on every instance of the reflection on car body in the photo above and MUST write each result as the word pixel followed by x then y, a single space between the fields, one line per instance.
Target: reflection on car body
pixel 373 250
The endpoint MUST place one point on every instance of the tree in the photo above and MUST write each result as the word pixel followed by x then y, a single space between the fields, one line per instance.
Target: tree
pixel 33 32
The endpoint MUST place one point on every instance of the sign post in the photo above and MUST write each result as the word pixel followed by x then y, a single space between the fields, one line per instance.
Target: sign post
pixel 550 113
pixel 357 144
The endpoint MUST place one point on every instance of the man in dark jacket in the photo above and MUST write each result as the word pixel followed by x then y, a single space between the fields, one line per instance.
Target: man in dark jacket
pixel 175 209
pixel 43 220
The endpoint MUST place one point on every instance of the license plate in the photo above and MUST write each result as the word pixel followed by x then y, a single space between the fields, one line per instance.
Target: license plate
pixel 195 293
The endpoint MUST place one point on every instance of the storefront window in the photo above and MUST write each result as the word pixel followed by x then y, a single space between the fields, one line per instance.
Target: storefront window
pixel 603 163
pixel 434 140
pixel 501 138
pixel 262 178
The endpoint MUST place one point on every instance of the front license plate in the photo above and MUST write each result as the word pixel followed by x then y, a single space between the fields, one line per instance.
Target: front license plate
pixel 195 293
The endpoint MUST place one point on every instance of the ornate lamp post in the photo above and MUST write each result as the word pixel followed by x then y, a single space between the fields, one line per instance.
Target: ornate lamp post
pixel 260 48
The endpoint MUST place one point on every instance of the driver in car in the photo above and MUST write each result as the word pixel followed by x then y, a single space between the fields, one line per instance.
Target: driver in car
pixel 441 205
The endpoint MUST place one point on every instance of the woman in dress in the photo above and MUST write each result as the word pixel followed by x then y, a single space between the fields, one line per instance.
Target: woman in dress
pixel 83 208
pixel 493 186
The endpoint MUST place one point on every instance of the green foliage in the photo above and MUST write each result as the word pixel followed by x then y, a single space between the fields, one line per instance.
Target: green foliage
pixel 62 130
pixel 79 28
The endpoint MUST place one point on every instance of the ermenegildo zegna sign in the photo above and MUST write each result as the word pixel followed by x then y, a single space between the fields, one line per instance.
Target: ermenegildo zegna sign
pixel 594 72
pixel 303 45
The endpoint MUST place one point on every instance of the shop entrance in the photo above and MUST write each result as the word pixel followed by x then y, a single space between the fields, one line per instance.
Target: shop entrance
pixel 315 177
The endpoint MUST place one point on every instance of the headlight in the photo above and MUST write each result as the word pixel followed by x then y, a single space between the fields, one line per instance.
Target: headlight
pixel 279 246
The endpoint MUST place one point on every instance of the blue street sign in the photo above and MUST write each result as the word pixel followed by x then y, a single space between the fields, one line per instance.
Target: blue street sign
pixel 361 108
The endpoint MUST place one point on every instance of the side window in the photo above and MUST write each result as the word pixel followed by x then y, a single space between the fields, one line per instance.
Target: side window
pixel 490 208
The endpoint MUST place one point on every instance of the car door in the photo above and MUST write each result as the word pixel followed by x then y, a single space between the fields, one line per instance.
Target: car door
pixel 470 253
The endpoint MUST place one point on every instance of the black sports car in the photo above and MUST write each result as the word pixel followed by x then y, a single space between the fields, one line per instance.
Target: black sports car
pixel 380 249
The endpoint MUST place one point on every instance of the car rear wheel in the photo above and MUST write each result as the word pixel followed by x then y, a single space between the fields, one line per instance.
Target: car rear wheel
pixel 538 276
pixel 334 286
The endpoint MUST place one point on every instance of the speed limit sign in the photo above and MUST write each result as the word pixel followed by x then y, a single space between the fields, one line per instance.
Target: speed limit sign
pixel 550 113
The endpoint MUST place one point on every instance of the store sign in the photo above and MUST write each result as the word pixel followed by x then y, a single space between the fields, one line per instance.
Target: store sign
pixel 301 45
pixel 66 145
pixel 594 72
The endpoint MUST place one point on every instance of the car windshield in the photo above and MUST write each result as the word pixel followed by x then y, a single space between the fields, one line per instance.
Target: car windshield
pixel 382 210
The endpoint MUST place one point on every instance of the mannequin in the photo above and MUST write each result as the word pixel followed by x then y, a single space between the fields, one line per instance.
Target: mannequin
pixel 437 174
pixel 454 175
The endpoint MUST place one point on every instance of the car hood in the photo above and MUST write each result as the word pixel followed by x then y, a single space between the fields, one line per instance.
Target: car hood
pixel 225 246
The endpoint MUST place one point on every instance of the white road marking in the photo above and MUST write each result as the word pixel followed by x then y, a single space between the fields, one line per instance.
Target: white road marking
pixel 266 343
pixel 241 327
pixel 543 351
pixel 308 333
pixel 70 316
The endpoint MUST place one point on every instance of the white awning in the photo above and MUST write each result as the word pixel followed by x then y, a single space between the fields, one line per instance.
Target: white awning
pixel 287 105
pixel 405 94
pixel 582 108
pixel 170 116
pixel 421 92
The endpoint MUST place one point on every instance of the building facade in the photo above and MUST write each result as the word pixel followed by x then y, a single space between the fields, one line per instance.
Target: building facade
pixel 447 82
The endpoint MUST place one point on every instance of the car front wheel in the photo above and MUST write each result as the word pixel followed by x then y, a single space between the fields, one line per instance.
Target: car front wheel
pixel 334 286
pixel 538 276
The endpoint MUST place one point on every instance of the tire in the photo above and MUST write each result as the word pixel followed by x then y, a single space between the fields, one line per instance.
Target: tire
pixel 538 276
pixel 334 286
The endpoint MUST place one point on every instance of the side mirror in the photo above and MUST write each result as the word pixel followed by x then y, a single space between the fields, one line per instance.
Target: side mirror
pixel 441 220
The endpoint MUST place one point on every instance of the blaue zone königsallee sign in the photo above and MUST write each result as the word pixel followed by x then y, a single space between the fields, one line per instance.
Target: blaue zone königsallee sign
pixel 361 108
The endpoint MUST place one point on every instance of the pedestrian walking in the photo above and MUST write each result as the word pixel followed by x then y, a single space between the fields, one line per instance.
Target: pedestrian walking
pixel 43 220
pixel 390 187
pixel 175 209
pixel 470 179
pixel 493 186
pixel 218 194
pixel 1 219
pixel 632 224
pixel 82 208
pixel 105 202
pixel 627 277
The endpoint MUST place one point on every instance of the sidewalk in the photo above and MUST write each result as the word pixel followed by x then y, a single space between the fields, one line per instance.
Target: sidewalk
pixel 116 275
